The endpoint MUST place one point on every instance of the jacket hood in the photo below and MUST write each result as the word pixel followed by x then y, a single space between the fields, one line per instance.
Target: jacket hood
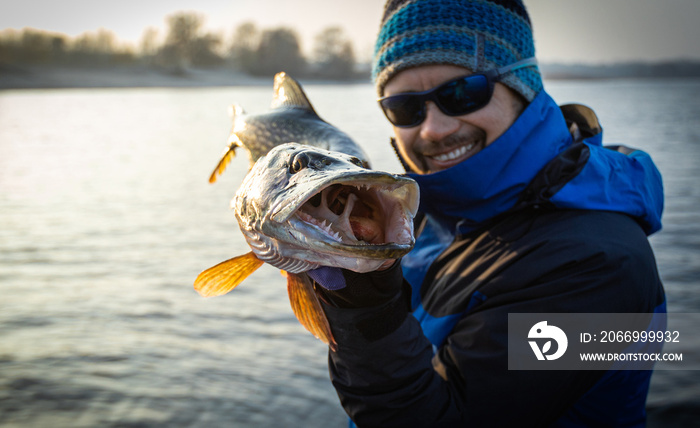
pixel 538 161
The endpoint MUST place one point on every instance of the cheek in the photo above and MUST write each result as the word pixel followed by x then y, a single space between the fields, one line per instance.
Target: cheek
pixel 494 129
pixel 500 113
pixel 405 140
pixel 493 121
pixel 406 146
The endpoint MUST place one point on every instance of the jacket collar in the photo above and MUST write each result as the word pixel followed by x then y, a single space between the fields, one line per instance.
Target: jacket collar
pixel 490 182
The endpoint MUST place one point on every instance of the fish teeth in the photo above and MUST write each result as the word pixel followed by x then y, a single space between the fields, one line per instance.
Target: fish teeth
pixel 324 225
pixel 362 186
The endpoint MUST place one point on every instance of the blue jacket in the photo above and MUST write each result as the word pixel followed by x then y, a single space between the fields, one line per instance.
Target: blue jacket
pixel 538 221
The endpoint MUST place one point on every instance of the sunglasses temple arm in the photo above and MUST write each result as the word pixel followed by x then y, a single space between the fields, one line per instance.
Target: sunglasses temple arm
pixel 527 62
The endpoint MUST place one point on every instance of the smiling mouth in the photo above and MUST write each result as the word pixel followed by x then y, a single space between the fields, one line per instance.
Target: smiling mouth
pixel 454 154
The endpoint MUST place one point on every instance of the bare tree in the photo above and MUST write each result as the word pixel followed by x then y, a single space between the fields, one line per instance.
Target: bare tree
pixel 333 54
pixel 34 46
pixel 185 45
pixel 148 46
pixel 205 50
pixel 183 28
pixel 279 51
pixel 244 47
pixel 99 48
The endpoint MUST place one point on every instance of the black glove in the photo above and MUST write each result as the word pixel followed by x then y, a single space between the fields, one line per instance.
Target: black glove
pixel 344 288
pixel 374 304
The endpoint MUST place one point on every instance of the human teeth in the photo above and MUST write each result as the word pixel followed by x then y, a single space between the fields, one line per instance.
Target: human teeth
pixel 454 154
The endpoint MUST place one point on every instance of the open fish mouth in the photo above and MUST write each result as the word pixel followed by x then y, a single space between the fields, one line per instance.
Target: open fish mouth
pixel 360 214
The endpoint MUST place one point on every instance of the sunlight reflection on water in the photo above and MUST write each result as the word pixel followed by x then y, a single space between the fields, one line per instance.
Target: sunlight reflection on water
pixel 107 217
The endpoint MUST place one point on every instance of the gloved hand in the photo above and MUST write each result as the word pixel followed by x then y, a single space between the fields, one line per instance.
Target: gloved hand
pixel 347 289
pixel 373 304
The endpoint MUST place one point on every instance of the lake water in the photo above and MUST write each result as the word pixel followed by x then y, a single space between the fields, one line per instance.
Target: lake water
pixel 106 218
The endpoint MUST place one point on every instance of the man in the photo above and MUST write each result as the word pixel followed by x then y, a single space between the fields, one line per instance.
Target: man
pixel 522 211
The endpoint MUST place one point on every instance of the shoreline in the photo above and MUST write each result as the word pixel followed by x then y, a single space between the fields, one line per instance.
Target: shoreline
pixel 143 76
pixel 132 77
pixel 66 77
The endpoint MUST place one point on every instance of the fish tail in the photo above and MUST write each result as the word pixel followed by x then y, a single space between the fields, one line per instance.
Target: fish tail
pixel 226 157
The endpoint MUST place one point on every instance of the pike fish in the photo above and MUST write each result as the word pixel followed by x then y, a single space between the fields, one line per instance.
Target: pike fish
pixel 309 200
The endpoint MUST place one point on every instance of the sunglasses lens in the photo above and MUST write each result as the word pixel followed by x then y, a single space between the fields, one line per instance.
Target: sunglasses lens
pixel 455 98
pixel 464 95
pixel 404 110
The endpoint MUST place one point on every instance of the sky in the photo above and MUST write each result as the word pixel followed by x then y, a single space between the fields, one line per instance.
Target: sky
pixel 566 31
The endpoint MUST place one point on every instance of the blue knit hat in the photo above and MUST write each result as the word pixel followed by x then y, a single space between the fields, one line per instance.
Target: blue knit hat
pixel 476 34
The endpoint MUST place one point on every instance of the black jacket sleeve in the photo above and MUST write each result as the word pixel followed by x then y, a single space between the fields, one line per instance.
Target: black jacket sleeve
pixel 396 377
pixel 389 381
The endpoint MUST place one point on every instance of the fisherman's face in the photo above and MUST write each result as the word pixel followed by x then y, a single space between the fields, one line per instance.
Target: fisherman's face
pixel 442 141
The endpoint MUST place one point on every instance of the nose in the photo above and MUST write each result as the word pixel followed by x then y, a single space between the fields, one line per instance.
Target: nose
pixel 437 125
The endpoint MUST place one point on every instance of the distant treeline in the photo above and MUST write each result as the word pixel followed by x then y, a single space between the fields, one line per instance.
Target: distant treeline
pixel 186 44
pixel 665 69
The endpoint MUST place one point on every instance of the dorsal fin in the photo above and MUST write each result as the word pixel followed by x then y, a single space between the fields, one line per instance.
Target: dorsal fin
pixel 235 110
pixel 289 94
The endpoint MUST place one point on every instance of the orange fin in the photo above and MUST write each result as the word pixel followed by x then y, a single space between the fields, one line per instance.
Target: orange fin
pixel 226 157
pixel 225 276
pixel 308 309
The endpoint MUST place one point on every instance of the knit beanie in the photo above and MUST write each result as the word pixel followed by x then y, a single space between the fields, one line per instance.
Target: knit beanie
pixel 476 34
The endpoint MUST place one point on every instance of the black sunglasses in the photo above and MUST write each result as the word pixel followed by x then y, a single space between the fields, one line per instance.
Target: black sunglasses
pixel 454 98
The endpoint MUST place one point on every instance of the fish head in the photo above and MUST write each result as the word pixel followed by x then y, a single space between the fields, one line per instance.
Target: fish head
pixel 301 207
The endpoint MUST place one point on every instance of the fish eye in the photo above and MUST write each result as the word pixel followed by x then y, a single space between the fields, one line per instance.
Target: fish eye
pixel 299 162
